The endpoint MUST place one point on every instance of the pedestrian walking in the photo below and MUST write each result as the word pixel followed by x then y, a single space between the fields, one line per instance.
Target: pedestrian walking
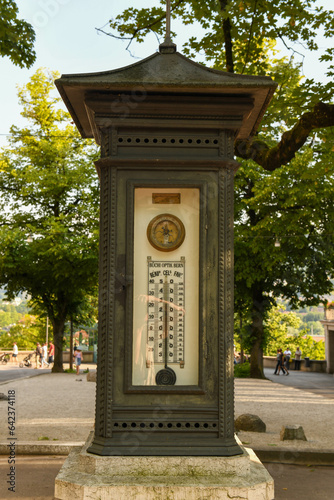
pixel 287 356
pixel 15 353
pixel 78 358
pixel 279 362
pixel 298 356
pixel 38 353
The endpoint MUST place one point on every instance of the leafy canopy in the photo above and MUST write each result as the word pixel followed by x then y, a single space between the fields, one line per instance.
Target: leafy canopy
pixel 26 333
pixel 253 24
pixel 17 37
pixel 49 208
pixel 243 37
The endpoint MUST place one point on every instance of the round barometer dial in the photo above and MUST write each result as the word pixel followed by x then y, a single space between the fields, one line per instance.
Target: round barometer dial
pixel 166 232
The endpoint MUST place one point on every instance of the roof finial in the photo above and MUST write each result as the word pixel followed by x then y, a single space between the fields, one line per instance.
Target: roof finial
pixel 168 47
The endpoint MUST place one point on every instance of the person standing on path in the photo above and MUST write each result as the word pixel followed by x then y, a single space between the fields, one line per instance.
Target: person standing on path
pixel 51 353
pixel 15 353
pixel 78 358
pixel 287 356
pixel 44 355
pixel 298 355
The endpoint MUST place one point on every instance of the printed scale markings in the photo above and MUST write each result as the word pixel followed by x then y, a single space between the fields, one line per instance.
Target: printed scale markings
pixel 165 325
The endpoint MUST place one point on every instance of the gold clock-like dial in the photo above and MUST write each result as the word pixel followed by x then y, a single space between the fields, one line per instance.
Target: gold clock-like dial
pixel 166 232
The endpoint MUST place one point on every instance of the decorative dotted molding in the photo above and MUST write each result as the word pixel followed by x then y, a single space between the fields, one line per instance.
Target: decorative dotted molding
pixel 184 426
pixel 180 141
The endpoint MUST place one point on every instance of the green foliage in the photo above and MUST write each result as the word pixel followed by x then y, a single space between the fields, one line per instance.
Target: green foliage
pixel 277 328
pixel 312 317
pixel 294 204
pixel 17 37
pixel 25 333
pixel 242 370
pixel 49 209
pixel 8 315
pixel 255 27
pixel 314 327
pixel 11 313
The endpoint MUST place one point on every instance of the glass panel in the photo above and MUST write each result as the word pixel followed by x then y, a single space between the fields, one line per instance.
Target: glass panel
pixel 166 260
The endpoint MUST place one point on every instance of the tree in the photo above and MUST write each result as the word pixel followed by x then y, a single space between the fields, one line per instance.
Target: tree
pixel 17 37
pixel 284 186
pixel 237 37
pixel 292 207
pixel 49 210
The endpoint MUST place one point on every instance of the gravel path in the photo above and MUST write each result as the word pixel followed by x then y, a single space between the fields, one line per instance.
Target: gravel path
pixel 61 407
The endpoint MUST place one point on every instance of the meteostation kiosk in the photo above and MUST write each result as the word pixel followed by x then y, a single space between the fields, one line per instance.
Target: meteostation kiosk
pixel 164 424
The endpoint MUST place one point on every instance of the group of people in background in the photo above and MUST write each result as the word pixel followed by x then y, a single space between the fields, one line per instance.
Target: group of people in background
pixel 283 360
pixel 44 355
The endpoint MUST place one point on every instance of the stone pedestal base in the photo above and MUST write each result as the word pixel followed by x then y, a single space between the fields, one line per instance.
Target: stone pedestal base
pixel 84 476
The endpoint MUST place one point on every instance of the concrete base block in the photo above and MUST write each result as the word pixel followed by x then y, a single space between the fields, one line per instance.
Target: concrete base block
pixel 87 476
pixel 289 432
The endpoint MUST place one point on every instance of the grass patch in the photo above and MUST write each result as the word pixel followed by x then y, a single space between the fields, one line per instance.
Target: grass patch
pixel 242 370
pixel 86 371
pixel 69 370
pixel 43 438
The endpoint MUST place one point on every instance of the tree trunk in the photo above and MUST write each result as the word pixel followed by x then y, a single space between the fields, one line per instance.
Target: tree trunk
pixel 58 333
pixel 256 364
pixel 228 44
pixel 71 346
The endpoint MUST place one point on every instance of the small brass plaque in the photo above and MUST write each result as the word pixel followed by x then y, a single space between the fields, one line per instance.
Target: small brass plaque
pixel 166 198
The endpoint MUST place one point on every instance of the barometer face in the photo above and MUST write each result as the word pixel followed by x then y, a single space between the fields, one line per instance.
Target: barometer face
pixel 166 232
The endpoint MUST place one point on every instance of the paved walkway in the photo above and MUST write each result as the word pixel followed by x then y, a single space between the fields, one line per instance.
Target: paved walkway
pixel 317 383
pixel 56 411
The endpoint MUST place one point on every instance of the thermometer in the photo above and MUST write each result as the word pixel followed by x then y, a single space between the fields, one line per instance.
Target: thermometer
pixel 166 318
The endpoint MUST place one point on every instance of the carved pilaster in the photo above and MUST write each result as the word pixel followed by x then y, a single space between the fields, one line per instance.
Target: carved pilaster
pixel 226 318
pixel 103 426
pixel 229 274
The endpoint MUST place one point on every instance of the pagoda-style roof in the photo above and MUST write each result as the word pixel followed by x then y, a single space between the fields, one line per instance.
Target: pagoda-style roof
pixel 170 73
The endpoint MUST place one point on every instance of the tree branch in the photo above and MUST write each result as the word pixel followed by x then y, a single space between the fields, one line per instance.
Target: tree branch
pixel 137 30
pixel 270 159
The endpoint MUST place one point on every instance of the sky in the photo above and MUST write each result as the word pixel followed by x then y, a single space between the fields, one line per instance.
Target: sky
pixel 67 41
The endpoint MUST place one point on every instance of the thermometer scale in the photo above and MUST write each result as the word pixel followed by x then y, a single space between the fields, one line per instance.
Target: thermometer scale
pixel 165 325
